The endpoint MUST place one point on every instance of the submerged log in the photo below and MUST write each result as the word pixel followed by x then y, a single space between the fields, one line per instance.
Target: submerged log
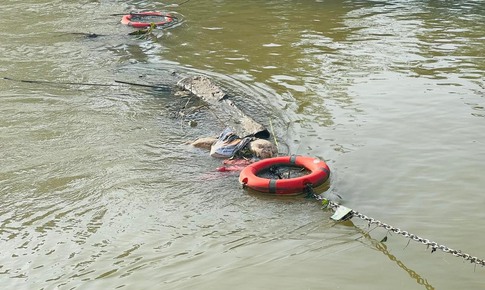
pixel 220 104
pixel 202 87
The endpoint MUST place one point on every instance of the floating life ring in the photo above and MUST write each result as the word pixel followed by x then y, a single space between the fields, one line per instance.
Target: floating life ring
pixel 166 19
pixel 319 173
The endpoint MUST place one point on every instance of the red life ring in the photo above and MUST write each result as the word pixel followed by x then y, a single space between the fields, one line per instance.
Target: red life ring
pixel 319 173
pixel 126 19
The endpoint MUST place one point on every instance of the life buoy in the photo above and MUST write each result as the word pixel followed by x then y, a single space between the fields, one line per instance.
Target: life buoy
pixel 319 173
pixel 126 19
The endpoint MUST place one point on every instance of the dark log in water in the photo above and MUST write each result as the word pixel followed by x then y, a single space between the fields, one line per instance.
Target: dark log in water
pixel 221 105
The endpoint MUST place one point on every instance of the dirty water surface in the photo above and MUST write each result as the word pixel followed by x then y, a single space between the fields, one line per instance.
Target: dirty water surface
pixel 99 190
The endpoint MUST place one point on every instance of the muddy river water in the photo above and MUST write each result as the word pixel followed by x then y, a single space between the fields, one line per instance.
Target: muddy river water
pixel 98 189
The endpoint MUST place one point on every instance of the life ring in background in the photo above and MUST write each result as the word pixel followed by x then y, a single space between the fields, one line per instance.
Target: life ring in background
pixel 139 22
pixel 319 173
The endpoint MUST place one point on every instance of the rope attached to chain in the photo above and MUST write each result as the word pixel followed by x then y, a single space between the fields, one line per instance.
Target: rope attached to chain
pixel 347 213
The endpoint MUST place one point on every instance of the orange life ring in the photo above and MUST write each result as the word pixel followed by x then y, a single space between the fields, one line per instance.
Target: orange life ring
pixel 319 173
pixel 126 19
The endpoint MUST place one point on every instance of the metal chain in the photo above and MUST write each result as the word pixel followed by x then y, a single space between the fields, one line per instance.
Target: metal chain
pixel 434 246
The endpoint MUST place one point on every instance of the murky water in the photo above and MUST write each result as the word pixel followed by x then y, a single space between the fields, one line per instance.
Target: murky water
pixel 99 191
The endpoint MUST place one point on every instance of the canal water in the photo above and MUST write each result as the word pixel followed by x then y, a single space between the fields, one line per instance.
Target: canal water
pixel 99 190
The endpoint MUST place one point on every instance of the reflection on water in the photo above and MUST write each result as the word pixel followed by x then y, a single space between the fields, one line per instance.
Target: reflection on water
pixel 382 247
pixel 99 189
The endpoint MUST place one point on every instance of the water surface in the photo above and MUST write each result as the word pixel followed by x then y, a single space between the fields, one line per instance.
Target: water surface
pixel 99 190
